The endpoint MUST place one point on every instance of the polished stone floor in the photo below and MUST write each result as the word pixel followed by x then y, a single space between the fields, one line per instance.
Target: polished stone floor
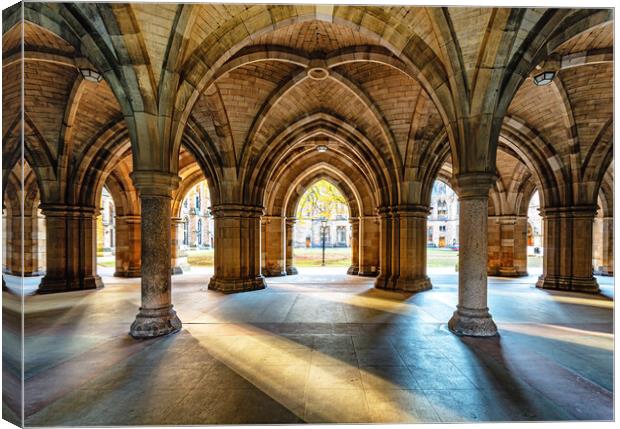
pixel 318 347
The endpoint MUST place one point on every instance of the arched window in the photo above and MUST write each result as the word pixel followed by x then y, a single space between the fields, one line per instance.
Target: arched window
pixel 197 203
pixel 199 232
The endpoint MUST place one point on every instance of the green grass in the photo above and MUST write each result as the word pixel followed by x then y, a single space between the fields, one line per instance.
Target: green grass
pixel 312 257
pixel 334 257
pixel 441 258
pixel 200 258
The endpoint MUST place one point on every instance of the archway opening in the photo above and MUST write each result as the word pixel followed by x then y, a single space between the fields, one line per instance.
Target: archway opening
pixel 106 234
pixel 442 238
pixel 534 236
pixel 322 233
pixel 194 231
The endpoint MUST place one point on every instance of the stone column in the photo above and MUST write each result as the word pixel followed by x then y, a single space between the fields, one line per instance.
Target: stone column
pixel 355 247
pixel 507 244
pixel 608 246
pixel 274 263
pixel 567 259
pixel 472 315
pixel 12 263
pixel 408 249
pixel 128 261
pixel 385 248
pixel 237 248
pixel 370 241
pixel 178 256
pixel 156 316
pixel 71 233
pixel 290 239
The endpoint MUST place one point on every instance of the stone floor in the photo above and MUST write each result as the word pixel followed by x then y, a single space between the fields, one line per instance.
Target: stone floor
pixel 317 347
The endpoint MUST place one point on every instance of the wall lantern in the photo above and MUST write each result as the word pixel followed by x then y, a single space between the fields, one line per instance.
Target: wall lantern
pixel 322 148
pixel 544 78
pixel 91 75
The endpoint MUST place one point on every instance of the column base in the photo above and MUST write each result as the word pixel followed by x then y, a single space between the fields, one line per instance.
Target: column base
pixel 508 272
pixel 381 281
pixel 151 323
pixel 291 271
pixel 607 273
pixel 415 284
pixel 52 285
pixel 237 285
pixel 273 272
pixel 128 273
pixel 574 284
pixel 472 323
pixel 353 270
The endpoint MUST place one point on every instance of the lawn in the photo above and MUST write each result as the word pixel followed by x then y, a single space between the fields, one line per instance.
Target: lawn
pixel 334 257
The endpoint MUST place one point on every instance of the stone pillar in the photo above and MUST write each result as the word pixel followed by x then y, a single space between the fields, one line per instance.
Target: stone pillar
pixel 407 249
pixel 355 247
pixel 237 248
pixel 12 263
pixel 156 316
pixel 128 261
pixel 290 239
pixel 385 248
pixel 567 259
pixel 274 263
pixel 507 244
pixel 179 256
pixel 71 233
pixel 472 315
pixel 370 239
pixel 608 246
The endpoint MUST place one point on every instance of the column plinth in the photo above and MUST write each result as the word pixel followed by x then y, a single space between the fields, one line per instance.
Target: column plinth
pixel 156 316
pixel 472 317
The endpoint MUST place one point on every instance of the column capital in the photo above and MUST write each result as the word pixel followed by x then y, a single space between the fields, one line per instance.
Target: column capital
pixel 404 210
pixel 237 210
pixel 473 185
pixel 66 210
pixel 568 211
pixel 506 219
pixel 130 218
pixel 155 183
pixel 290 221
pixel 354 220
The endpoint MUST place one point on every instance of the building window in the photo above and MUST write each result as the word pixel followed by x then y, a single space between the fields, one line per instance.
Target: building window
pixel 341 234
pixel 197 203
pixel 442 228
pixel 186 231
pixel 199 232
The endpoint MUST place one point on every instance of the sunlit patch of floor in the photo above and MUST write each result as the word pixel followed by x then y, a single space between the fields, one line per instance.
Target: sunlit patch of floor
pixel 318 347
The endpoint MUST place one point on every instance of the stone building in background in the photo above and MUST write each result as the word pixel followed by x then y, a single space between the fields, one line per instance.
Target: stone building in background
pixel 443 221
pixel 196 226
pixel 106 226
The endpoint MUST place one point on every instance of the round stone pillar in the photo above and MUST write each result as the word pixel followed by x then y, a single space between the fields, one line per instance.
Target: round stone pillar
pixel 290 263
pixel 472 315
pixel 369 236
pixel 237 248
pixel 156 316
pixel 128 261
pixel 567 258
pixel 355 247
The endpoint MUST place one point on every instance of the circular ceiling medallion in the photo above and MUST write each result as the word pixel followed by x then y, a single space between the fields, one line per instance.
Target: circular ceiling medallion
pixel 318 73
